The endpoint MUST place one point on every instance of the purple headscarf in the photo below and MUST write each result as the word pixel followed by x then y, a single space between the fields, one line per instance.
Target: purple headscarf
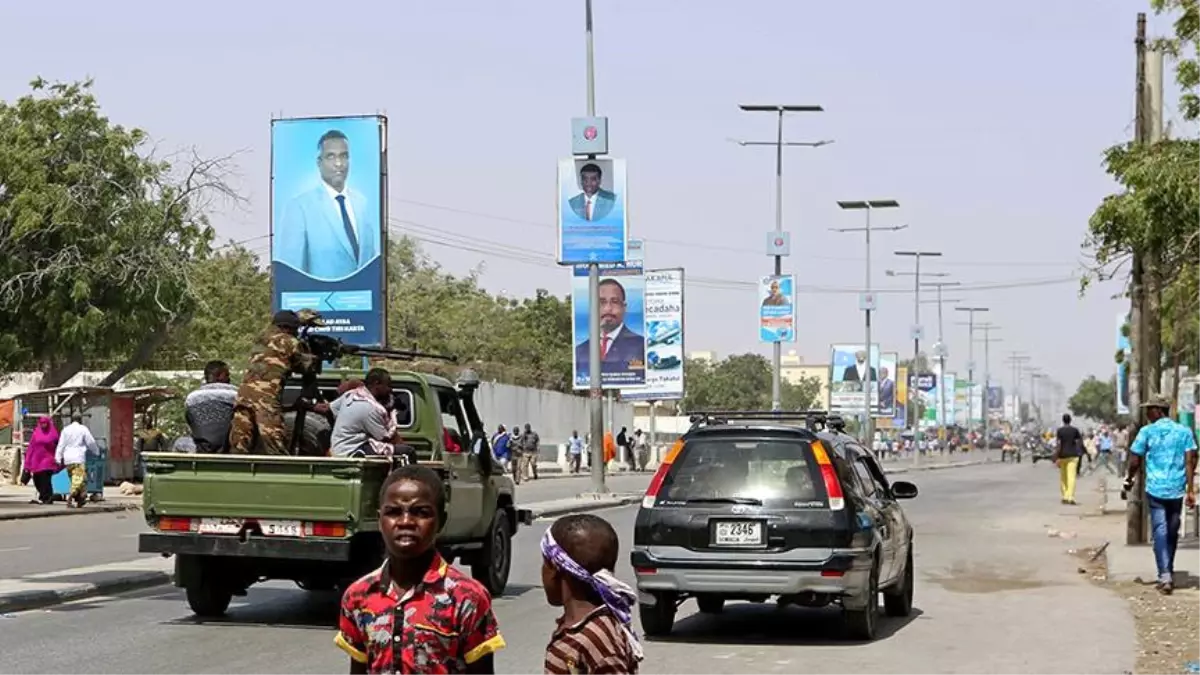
pixel 616 594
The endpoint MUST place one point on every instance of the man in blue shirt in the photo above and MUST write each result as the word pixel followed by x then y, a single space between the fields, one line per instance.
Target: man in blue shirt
pixel 1168 450
pixel 1104 450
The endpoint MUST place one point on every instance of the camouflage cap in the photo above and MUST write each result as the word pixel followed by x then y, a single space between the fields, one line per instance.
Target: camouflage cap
pixel 1158 401
pixel 310 317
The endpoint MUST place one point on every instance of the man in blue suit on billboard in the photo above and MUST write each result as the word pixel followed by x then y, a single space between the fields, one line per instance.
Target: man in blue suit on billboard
pixel 620 346
pixel 330 231
pixel 594 203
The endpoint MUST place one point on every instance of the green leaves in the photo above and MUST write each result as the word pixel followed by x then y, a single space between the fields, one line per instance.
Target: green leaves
pixel 742 382
pixel 1096 399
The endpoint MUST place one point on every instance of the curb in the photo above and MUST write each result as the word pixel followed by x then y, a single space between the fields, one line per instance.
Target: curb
pixel 51 512
pixel 597 505
pixel 27 600
pixel 934 467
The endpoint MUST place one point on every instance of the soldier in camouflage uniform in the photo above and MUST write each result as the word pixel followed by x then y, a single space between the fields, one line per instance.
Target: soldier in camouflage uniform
pixel 258 409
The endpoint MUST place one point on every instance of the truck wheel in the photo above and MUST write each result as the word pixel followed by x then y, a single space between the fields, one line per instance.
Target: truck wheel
pixel 658 619
pixel 209 600
pixel 494 561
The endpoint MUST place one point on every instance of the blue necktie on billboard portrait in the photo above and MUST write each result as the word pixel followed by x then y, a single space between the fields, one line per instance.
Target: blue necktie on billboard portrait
pixel 341 200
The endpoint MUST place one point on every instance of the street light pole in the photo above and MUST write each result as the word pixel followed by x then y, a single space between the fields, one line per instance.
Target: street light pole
pixel 987 365
pixel 939 285
pixel 867 301
pixel 779 110
pixel 971 357
pixel 916 336
pixel 595 385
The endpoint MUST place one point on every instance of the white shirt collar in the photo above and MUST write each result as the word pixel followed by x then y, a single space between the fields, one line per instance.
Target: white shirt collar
pixel 612 337
pixel 334 194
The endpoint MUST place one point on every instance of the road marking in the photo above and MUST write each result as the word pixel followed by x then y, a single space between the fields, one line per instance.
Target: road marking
pixel 14 550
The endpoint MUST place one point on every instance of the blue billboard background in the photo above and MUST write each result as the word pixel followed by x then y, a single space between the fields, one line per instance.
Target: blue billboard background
pixel 329 222
pixel 1123 367
pixel 602 239
pixel 626 364
pixel 777 312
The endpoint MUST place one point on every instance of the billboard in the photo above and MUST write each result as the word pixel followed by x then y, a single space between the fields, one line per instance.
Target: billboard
pixel 1125 348
pixel 622 325
pixel 900 414
pixel 329 222
pixel 947 415
pixel 777 309
pixel 925 390
pixel 995 399
pixel 592 205
pixel 664 338
pixel 848 375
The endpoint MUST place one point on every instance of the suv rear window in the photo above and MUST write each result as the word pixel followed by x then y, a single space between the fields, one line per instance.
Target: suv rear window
pixel 773 471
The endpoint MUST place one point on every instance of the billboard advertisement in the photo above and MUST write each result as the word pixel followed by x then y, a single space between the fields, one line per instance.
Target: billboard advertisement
pixel 329 222
pixel 947 416
pixel 1123 367
pixel 622 326
pixel 592 208
pixel 777 309
pixel 664 338
pixel 925 391
pixel 900 414
pixel 848 375
pixel 995 399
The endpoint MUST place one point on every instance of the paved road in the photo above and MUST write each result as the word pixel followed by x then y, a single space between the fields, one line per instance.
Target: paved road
pixel 993 594
pixel 46 544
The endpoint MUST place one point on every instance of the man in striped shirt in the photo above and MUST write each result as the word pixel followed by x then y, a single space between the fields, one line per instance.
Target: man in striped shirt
pixel 594 633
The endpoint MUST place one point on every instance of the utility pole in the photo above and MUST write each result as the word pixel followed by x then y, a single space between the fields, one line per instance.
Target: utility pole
pixel 971 358
pixel 987 329
pixel 866 301
pixel 940 352
pixel 779 110
pixel 595 384
pixel 915 331
pixel 1017 359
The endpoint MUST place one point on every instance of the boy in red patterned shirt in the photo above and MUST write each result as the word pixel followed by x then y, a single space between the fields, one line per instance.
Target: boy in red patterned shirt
pixel 416 613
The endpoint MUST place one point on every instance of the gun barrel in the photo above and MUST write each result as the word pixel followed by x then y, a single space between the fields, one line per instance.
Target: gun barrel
pixel 400 354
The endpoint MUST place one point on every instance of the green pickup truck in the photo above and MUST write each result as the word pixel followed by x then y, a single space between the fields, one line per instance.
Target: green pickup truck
pixel 234 520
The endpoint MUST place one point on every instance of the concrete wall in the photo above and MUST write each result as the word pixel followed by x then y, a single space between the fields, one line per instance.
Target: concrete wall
pixel 552 414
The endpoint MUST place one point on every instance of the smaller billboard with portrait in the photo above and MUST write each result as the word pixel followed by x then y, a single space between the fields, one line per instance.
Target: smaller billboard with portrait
pixel 1124 347
pixel 664 338
pixel 777 309
pixel 622 326
pixel 592 210
pixel 900 414
pixel 848 373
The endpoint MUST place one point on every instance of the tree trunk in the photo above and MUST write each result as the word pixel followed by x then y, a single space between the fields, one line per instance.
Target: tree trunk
pixel 1176 363
pixel 55 373
pixel 144 352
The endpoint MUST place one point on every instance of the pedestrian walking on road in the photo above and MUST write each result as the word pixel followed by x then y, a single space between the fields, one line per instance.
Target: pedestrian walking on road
pixel 39 459
pixel 1104 451
pixel 1168 450
pixel 595 632
pixel 416 613
pixel 623 447
pixel 74 444
pixel 641 450
pixel 1066 457
pixel 575 451
pixel 531 443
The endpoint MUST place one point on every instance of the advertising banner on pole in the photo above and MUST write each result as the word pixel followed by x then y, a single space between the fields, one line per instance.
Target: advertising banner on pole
pixel 951 382
pixel 777 309
pixel 900 415
pixel 329 222
pixel 995 401
pixel 886 386
pixel 592 208
pixel 664 338
pixel 848 376
pixel 622 326
pixel 1124 347
pixel 926 387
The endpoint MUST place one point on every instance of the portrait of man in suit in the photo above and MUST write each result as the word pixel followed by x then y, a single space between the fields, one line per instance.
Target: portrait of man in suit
pixel 858 371
pixel 619 344
pixel 775 298
pixel 330 231
pixel 887 389
pixel 594 202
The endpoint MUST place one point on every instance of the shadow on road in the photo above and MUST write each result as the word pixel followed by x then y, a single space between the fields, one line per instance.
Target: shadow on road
pixel 768 624
pixel 277 608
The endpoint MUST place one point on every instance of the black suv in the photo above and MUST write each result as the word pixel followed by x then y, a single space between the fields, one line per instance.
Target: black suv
pixel 747 506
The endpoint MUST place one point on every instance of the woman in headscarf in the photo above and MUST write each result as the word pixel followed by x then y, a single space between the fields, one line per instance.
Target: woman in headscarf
pixel 39 458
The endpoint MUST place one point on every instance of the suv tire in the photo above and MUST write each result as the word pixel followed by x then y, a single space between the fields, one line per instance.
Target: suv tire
pixel 898 600
pixel 710 604
pixel 861 623
pixel 494 561
pixel 658 619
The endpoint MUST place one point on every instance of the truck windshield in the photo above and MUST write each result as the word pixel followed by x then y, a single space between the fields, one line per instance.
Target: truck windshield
pixel 763 471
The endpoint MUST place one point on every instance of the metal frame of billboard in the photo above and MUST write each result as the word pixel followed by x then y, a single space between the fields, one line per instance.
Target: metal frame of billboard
pixel 383 207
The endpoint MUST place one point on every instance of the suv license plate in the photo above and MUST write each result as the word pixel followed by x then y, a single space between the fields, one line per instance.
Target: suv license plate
pixel 738 533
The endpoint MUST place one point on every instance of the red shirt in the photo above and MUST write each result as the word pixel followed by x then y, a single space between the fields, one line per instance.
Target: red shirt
pixel 439 626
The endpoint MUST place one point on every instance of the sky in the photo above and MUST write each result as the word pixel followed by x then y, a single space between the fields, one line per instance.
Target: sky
pixel 986 121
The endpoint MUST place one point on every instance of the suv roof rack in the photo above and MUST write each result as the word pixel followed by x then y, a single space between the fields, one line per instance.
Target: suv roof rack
pixel 814 420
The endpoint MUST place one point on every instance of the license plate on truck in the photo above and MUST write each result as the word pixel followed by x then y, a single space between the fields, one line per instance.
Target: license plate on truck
pixel 737 533
pixel 281 528
pixel 220 526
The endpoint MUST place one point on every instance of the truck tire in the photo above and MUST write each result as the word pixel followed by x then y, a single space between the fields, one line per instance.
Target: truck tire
pixel 208 599
pixel 493 563
pixel 314 437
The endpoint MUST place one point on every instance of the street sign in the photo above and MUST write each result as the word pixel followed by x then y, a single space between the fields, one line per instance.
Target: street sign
pixel 940 350
pixel 589 135
pixel 916 332
pixel 779 243
pixel 866 302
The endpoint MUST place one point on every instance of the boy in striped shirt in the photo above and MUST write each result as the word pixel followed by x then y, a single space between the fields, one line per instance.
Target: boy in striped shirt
pixel 594 633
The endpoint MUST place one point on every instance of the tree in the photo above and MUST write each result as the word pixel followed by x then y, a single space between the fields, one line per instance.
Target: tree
pixel 1182 47
pixel 1096 399
pixel 742 382
pixel 97 235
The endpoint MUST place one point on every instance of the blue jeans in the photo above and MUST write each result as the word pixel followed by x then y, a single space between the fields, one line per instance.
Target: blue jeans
pixel 1165 518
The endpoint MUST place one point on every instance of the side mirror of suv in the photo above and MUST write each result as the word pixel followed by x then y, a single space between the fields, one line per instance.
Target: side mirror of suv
pixel 902 489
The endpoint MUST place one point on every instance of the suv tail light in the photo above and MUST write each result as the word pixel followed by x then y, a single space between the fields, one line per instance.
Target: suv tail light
pixel 833 487
pixel 663 468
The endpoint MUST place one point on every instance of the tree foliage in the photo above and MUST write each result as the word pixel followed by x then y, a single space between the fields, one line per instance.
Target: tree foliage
pixel 742 382
pixel 1096 399
pixel 1183 47
pixel 97 235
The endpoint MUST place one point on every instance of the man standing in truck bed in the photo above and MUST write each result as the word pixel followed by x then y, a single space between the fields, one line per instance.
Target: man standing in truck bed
pixel 258 409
